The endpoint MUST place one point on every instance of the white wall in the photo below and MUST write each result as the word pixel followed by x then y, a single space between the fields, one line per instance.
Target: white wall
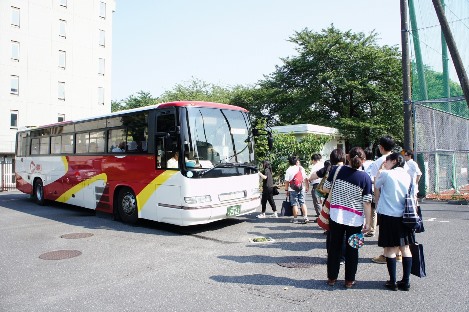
pixel 38 70
pixel 301 130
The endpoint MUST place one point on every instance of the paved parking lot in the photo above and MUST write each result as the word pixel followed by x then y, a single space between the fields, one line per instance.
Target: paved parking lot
pixel 111 266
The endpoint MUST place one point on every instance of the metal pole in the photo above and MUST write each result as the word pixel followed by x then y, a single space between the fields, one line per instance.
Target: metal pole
pixel 418 55
pixel 453 50
pixel 406 87
pixel 445 60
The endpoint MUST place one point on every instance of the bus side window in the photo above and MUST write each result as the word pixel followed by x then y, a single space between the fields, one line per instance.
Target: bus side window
pixel 67 143
pixel 34 146
pixel 116 141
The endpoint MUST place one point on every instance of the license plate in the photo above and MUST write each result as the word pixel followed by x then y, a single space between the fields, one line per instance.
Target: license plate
pixel 233 210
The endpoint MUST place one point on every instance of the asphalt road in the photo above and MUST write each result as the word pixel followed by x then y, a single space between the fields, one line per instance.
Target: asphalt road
pixel 215 267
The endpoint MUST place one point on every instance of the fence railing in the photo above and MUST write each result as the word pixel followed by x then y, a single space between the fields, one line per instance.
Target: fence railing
pixel 442 147
pixel 7 176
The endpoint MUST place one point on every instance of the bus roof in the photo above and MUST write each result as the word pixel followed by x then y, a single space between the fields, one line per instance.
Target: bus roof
pixel 145 108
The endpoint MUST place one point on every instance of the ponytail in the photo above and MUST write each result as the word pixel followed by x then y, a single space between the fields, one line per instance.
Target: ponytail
pixel 357 157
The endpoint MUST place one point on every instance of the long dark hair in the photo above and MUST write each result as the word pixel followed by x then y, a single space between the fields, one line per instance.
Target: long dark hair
pixel 357 157
pixel 267 165
pixel 400 161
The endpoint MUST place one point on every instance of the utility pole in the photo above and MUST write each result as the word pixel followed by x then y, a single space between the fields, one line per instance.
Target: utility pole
pixel 453 50
pixel 406 87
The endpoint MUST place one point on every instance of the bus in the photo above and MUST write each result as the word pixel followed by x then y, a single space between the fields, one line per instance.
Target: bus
pixel 182 163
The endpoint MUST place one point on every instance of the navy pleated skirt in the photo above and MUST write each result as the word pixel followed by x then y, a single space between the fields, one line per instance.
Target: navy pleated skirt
pixel 393 233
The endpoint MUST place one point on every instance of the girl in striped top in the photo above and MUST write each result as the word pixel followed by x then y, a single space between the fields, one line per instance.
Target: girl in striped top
pixel 350 206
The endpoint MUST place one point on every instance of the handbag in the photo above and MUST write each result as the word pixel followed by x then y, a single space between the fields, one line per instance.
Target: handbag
pixel 275 190
pixel 319 189
pixel 287 210
pixel 410 217
pixel 418 260
pixel 323 219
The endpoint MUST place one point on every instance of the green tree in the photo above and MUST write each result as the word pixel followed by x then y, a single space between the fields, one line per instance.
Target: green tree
pixel 338 79
pixel 286 145
pixel 141 99
pixel 197 90
pixel 435 88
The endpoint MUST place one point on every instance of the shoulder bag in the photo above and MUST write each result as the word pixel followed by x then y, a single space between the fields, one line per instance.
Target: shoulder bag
pixel 410 218
pixel 324 216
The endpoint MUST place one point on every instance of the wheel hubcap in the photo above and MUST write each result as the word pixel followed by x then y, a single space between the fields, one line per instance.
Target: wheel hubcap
pixel 39 192
pixel 128 204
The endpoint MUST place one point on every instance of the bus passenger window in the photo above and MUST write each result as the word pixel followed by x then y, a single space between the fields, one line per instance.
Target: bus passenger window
pixel 116 141
pixel 67 143
pixel 34 146
pixel 56 145
pixel 120 148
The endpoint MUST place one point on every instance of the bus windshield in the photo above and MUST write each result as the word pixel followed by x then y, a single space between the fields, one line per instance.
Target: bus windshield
pixel 217 136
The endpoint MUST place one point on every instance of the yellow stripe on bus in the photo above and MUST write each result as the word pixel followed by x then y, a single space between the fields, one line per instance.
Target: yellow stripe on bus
pixel 68 194
pixel 145 194
pixel 64 160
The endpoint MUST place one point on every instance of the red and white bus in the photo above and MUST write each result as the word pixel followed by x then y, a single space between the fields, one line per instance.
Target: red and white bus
pixel 182 163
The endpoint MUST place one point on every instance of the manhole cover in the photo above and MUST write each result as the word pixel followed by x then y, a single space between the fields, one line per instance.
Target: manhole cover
pixel 60 254
pixel 261 240
pixel 76 235
pixel 302 262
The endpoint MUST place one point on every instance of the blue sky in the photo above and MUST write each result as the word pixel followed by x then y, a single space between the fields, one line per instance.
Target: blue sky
pixel 157 44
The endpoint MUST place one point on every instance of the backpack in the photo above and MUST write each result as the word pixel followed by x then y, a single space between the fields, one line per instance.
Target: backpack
pixel 297 182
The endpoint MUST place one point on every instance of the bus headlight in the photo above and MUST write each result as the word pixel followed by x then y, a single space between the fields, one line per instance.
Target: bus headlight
pixel 198 199
pixel 255 192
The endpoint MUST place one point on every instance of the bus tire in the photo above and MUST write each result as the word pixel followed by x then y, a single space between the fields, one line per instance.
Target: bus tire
pixel 38 192
pixel 127 206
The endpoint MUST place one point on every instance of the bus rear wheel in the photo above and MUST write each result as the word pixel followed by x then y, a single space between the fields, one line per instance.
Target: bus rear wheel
pixel 38 192
pixel 127 206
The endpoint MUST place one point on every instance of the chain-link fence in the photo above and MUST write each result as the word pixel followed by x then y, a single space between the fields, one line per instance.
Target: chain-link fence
pixel 442 147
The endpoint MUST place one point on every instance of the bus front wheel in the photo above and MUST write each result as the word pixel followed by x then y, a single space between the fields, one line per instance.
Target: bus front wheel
pixel 38 191
pixel 127 206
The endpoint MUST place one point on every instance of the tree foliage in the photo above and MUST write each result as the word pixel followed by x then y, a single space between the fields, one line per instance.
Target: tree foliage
pixel 338 79
pixel 197 90
pixel 286 145
pixel 141 99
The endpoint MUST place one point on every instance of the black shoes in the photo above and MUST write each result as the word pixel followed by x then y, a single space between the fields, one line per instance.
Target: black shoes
pixel 391 286
pixel 403 286
pixel 399 285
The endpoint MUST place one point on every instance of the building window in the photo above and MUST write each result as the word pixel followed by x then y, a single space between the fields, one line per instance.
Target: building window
pixel 14 119
pixel 63 3
pixel 101 64
pixel 62 28
pixel 101 95
pixel 62 59
pixel 61 117
pixel 15 51
pixel 15 85
pixel 102 9
pixel 101 38
pixel 61 90
pixel 15 17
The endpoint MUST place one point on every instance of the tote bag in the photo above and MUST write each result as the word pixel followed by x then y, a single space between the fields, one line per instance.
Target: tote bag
pixel 287 210
pixel 418 260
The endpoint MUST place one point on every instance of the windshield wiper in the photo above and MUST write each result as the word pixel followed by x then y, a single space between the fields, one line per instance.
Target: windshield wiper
pixel 229 165
pixel 220 165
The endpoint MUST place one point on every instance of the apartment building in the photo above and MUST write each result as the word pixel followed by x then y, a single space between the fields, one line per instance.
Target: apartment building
pixel 55 63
